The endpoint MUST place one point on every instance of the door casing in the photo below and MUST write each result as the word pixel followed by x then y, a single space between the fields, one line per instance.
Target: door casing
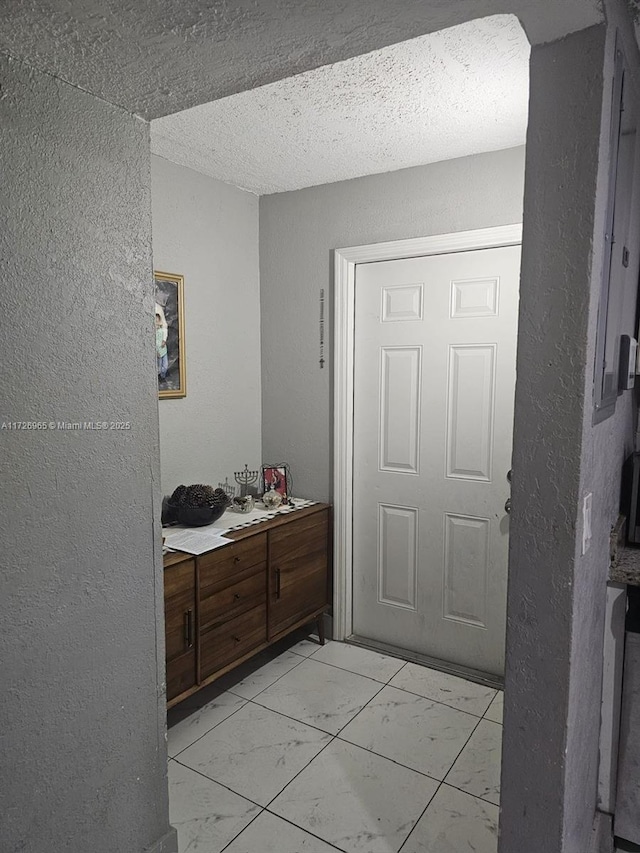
pixel 345 262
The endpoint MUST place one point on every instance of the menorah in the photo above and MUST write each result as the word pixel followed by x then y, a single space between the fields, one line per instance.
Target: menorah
pixel 245 480
pixel 228 488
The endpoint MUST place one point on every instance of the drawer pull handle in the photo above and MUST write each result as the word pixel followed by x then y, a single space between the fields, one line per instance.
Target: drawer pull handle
pixel 237 639
pixel 236 559
pixel 188 629
pixel 277 583
pixel 236 596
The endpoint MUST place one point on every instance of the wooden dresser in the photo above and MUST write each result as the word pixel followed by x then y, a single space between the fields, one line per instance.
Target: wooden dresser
pixel 224 606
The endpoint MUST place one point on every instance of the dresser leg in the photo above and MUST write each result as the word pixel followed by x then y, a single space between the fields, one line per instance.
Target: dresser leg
pixel 320 625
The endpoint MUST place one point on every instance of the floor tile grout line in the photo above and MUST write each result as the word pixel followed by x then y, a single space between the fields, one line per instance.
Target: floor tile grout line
pixel 312 653
pixel 497 690
pixel 412 692
pixel 342 728
pixel 222 785
pixel 404 689
pixel 393 760
pixel 484 716
pixel 350 671
pixel 353 671
pixel 293 719
pixel 304 722
pixel 295 666
pixel 330 735
pixel 285 820
pixel 420 816
pixel 438 702
pixel 253 819
pixel 304 829
pixel 444 781
pixel 469 794
pixel 464 746
pixel 215 725
pixel 333 737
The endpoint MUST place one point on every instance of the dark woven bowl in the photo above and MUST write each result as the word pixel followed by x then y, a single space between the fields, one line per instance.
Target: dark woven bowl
pixel 191 516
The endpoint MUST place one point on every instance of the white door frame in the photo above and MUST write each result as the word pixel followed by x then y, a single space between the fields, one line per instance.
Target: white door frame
pixel 344 305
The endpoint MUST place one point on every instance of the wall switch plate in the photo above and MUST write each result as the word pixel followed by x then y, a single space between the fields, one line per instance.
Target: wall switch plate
pixel 586 523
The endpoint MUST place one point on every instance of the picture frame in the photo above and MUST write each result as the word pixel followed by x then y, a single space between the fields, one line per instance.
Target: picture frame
pixel 276 477
pixel 170 347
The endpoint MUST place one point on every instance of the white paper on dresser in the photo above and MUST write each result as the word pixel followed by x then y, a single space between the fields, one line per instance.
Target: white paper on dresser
pixel 196 541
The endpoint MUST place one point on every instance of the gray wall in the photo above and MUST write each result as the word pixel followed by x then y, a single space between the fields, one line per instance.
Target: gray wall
pixel 82 737
pixel 208 231
pixel 298 232
pixel 557 596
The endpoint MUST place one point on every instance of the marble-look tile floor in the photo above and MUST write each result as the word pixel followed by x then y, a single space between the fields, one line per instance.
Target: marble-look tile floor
pixel 313 749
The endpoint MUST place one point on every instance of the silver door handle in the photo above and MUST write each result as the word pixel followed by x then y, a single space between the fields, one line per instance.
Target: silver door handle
pixel 507 506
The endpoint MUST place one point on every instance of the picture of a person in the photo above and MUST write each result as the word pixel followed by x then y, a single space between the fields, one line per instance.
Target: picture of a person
pixel 161 348
pixel 275 479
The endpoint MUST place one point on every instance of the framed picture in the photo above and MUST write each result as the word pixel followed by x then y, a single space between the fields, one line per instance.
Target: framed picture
pixel 275 477
pixel 169 331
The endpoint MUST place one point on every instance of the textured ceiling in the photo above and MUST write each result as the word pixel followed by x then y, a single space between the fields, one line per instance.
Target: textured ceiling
pixel 155 57
pixel 461 91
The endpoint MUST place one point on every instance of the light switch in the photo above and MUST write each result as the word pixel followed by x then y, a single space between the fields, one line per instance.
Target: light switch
pixel 586 523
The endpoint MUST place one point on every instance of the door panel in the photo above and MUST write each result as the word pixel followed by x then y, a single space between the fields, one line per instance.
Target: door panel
pixel 398 557
pixel 470 411
pixel 434 379
pixel 400 374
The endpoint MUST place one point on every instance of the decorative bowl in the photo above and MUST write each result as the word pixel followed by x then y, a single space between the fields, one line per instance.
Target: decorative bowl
pixel 242 504
pixel 191 516
pixel 272 499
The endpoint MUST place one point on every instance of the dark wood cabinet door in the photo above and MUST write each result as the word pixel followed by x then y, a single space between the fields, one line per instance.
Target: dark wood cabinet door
pixel 180 626
pixel 298 570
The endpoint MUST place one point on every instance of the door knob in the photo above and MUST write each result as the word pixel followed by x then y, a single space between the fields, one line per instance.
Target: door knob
pixel 507 506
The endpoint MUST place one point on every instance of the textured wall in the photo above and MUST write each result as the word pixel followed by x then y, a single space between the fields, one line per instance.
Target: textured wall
pixel 208 231
pixel 158 58
pixel 299 230
pixel 556 596
pixel 82 736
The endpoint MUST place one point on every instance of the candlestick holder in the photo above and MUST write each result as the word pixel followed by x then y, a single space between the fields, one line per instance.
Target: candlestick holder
pixel 228 488
pixel 246 479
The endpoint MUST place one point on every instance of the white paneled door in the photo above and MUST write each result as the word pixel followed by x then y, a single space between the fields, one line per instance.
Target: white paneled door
pixel 434 379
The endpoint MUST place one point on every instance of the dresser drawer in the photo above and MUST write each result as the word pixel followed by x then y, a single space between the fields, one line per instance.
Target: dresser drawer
pixel 249 591
pixel 230 640
pixel 219 568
